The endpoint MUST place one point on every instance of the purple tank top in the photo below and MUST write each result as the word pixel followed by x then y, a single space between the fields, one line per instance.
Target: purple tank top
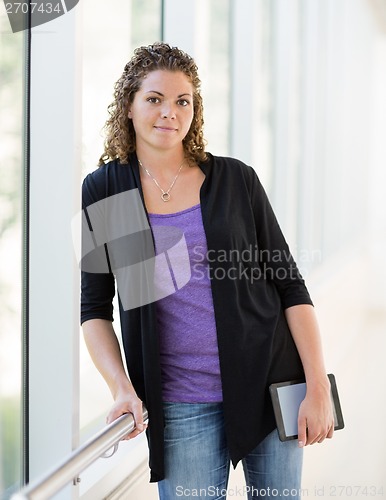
pixel 188 338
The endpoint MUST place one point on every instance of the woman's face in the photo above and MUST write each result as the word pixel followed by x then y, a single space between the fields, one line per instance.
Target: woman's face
pixel 162 110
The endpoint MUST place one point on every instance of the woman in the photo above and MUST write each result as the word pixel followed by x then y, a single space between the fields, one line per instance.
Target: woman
pixel 201 356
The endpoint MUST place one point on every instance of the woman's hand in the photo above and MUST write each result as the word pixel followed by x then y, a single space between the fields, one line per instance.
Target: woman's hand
pixel 128 402
pixel 316 418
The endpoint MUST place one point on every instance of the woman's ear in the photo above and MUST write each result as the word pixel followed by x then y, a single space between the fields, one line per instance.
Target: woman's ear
pixel 129 114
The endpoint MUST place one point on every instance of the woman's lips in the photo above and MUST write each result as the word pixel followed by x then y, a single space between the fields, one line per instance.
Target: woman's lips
pixel 166 129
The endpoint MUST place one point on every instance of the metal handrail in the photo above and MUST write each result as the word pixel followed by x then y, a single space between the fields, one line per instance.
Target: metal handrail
pixel 69 469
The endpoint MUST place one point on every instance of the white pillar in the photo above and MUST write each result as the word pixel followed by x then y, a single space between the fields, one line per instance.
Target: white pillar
pixel 285 83
pixel 243 93
pixel 53 276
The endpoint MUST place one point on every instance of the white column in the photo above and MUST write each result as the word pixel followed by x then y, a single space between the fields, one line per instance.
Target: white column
pixel 243 91
pixel 53 275
pixel 309 219
pixel 285 82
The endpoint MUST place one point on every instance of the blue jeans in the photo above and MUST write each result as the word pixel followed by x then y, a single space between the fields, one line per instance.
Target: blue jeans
pixel 197 458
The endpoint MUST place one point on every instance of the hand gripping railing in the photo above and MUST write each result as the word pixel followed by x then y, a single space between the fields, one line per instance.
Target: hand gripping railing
pixel 69 470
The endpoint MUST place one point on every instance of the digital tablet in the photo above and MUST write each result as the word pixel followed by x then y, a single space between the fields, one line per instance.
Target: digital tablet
pixel 286 398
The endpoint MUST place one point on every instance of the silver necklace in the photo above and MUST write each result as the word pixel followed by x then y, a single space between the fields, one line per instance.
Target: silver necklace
pixel 165 196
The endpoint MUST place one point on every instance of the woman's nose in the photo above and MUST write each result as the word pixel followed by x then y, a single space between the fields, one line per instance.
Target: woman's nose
pixel 168 111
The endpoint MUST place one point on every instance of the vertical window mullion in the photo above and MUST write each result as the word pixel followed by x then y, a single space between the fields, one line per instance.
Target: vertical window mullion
pixel 53 194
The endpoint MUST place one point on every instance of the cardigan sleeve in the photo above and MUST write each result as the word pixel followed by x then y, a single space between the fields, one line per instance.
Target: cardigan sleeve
pixel 278 264
pixel 97 288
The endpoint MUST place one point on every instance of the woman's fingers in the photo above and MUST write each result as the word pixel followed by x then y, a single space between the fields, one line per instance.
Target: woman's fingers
pixel 131 405
pixel 315 421
pixel 302 431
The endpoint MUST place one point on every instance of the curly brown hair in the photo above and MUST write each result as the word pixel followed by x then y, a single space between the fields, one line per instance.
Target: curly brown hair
pixel 120 133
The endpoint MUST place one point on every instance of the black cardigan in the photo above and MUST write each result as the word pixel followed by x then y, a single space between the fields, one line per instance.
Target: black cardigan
pixel 255 345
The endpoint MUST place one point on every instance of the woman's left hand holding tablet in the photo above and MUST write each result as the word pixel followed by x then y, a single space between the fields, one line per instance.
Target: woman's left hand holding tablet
pixel 316 418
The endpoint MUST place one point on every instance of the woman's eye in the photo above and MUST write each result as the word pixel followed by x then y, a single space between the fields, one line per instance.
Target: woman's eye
pixel 153 100
pixel 183 102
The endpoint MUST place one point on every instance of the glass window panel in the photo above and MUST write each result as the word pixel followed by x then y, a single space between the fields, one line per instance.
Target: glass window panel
pixel 262 130
pixel 214 71
pixel 134 23
pixel 11 169
pixel 146 22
